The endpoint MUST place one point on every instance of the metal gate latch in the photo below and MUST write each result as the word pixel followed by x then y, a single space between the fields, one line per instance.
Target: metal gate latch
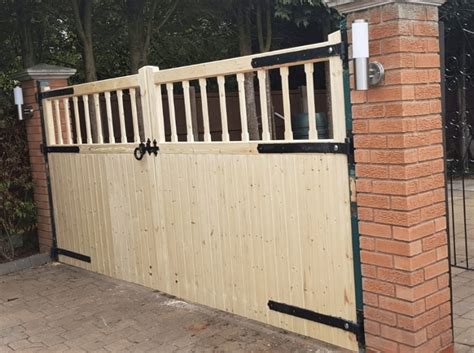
pixel 142 148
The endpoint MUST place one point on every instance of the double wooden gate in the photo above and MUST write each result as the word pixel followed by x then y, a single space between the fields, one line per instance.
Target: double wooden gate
pixel 260 228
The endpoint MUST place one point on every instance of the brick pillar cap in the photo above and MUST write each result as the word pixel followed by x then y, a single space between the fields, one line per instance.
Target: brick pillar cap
pixel 44 72
pixel 348 6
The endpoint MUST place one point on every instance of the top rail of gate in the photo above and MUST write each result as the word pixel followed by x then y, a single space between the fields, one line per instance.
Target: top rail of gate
pixel 94 113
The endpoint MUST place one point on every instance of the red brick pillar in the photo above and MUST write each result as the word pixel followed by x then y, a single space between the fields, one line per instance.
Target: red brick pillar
pixel 54 77
pixel 400 180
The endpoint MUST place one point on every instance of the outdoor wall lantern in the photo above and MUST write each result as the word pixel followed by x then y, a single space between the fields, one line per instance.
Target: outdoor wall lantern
pixel 365 74
pixel 22 111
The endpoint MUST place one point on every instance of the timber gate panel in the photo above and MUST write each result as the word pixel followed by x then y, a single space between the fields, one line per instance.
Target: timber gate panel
pixel 258 228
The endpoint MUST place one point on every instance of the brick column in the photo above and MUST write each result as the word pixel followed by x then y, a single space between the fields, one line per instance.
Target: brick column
pixel 54 77
pixel 398 138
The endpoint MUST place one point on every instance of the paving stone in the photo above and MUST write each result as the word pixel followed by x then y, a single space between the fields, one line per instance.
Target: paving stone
pixel 58 308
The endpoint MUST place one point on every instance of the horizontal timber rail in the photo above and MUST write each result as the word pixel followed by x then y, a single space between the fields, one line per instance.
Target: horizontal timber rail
pixel 132 109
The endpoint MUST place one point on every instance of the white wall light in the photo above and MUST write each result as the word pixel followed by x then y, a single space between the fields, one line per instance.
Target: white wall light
pixel 18 95
pixel 365 74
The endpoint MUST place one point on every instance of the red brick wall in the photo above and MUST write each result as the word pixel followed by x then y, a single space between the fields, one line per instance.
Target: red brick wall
pixel 38 165
pixel 401 186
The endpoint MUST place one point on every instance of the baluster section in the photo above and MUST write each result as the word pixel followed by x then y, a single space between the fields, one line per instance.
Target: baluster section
pixel 243 107
pixel 313 132
pixel 87 118
pixel 205 109
pixel 77 120
pixel 284 73
pixel 57 115
pixel 187 110
pixel 170 91
pixel 123 131
pixel 133 103
pixel 98 119
pixel 67 117
pixel 110 124
pixel 223 106
pixel 262 86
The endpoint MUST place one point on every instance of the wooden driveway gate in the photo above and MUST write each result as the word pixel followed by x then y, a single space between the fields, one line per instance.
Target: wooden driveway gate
pixel 260 228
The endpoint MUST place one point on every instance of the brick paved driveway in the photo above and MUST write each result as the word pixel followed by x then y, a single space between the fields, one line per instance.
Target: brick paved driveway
pixel 58 308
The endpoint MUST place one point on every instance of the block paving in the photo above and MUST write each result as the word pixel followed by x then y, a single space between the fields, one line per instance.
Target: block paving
pixel 59 308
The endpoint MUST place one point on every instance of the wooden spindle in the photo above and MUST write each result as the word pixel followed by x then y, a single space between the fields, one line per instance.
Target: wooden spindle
pixel 243 107
pixel 98 119
pixel 57 115
pixel 187 110
pixel 77 120
pixel 159 128
pixel 110 124
pixel 262 86
pixel 49 120
pixel 174 134
pixel 313 132
pixel 336 85
pixel 87 118
pixel 133 103
pixel 205 109
pixel 123 131
pixel 67 117
pixel 284 73
pixel 223 106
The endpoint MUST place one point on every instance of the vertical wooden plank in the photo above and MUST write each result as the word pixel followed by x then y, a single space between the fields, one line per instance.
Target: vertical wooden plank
pixel 67 116
pixel 103 191
pixel 133 102
pixel 205 110
pixel 262 79
pixel 123 131
pixel 243 107
pixel 57 115
pixel 313 132
pixel 256 191
pixel 77 120
pixel 284 72
pixel 98 119
pixel 110 122
pixel 85 100
pixel 49 120
pixel 174 134
pixel 187 110
pixel 223 107
pixel 337 92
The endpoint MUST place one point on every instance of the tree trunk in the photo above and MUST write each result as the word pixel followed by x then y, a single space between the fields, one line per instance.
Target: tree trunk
pixel 136 33
pixel 23 14
pixel 140 20
pixel 245 46
pixel 83 17
pixel 90 71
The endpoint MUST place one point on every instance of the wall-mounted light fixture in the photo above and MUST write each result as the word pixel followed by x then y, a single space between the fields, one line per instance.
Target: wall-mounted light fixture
pixel 22 111
pixel 365 74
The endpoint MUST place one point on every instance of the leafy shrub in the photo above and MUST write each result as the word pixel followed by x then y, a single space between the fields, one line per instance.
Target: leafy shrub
pixel 17 209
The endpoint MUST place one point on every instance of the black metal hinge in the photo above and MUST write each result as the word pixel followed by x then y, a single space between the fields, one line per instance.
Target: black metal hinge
pixel 301 55
pixel 355 327
pixel 59 149
pixel 73 255
pixel 56 93
pixel 304 147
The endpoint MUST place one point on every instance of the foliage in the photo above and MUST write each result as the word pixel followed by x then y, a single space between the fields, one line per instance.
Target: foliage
pixel 17 209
